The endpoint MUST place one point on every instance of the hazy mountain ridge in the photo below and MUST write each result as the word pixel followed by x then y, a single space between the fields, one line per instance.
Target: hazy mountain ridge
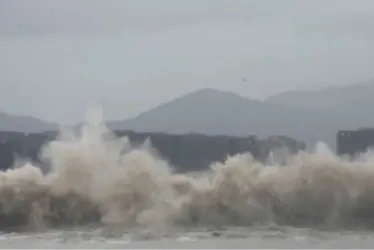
pixel 309 116
pixel 328 98
pixel 346 106
pixel 26 124
pixel 205 111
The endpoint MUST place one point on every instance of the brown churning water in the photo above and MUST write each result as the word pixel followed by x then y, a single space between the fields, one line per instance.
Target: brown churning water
pixel 95 177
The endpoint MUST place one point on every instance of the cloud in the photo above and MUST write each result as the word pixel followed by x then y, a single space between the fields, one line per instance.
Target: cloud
pixel 111 51
pixel 79 17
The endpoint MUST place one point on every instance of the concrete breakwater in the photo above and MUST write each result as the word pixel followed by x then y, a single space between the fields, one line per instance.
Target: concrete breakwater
pixel 187 152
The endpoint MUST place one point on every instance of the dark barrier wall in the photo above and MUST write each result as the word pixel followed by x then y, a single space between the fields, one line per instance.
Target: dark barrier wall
pixel 185 152
pixel 354 142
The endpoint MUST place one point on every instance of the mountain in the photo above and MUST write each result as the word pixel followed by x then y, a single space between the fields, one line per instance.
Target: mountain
pixel 349 106
pixel 205 111
pixel 25 124
pixel 212 111
pixel 336 97
pixel 309 116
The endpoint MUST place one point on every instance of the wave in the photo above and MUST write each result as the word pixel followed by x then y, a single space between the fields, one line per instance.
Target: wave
pixel 95 177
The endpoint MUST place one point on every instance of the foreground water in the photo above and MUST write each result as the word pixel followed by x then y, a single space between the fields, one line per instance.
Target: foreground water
pixel 97 179
pixel 270 237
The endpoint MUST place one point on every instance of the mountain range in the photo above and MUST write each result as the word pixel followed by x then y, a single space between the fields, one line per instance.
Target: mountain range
pixel 27 124
pixel 310 116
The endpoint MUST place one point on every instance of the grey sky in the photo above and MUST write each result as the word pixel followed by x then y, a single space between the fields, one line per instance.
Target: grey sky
pixel 130 55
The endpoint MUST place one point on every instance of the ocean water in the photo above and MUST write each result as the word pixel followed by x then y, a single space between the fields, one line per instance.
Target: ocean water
pixel 100 191
pixel 224 238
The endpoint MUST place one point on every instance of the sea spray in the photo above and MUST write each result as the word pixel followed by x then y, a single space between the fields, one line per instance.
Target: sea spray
pixel 97 178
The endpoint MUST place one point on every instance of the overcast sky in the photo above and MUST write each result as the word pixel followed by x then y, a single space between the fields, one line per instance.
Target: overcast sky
pixel 56 57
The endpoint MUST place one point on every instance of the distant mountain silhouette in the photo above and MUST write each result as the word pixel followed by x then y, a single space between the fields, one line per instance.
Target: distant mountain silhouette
pixel 337 97
pixel 26 124
pixel 205 111
pixel 309 116
pixel 348 106
pixel 212 111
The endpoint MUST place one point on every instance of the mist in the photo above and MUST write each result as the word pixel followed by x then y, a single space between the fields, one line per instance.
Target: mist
pixel 130 56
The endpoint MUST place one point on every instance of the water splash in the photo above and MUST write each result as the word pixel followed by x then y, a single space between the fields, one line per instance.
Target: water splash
pixel 95 177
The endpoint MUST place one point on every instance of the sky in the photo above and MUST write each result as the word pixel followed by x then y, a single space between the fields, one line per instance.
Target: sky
pixel 58 57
